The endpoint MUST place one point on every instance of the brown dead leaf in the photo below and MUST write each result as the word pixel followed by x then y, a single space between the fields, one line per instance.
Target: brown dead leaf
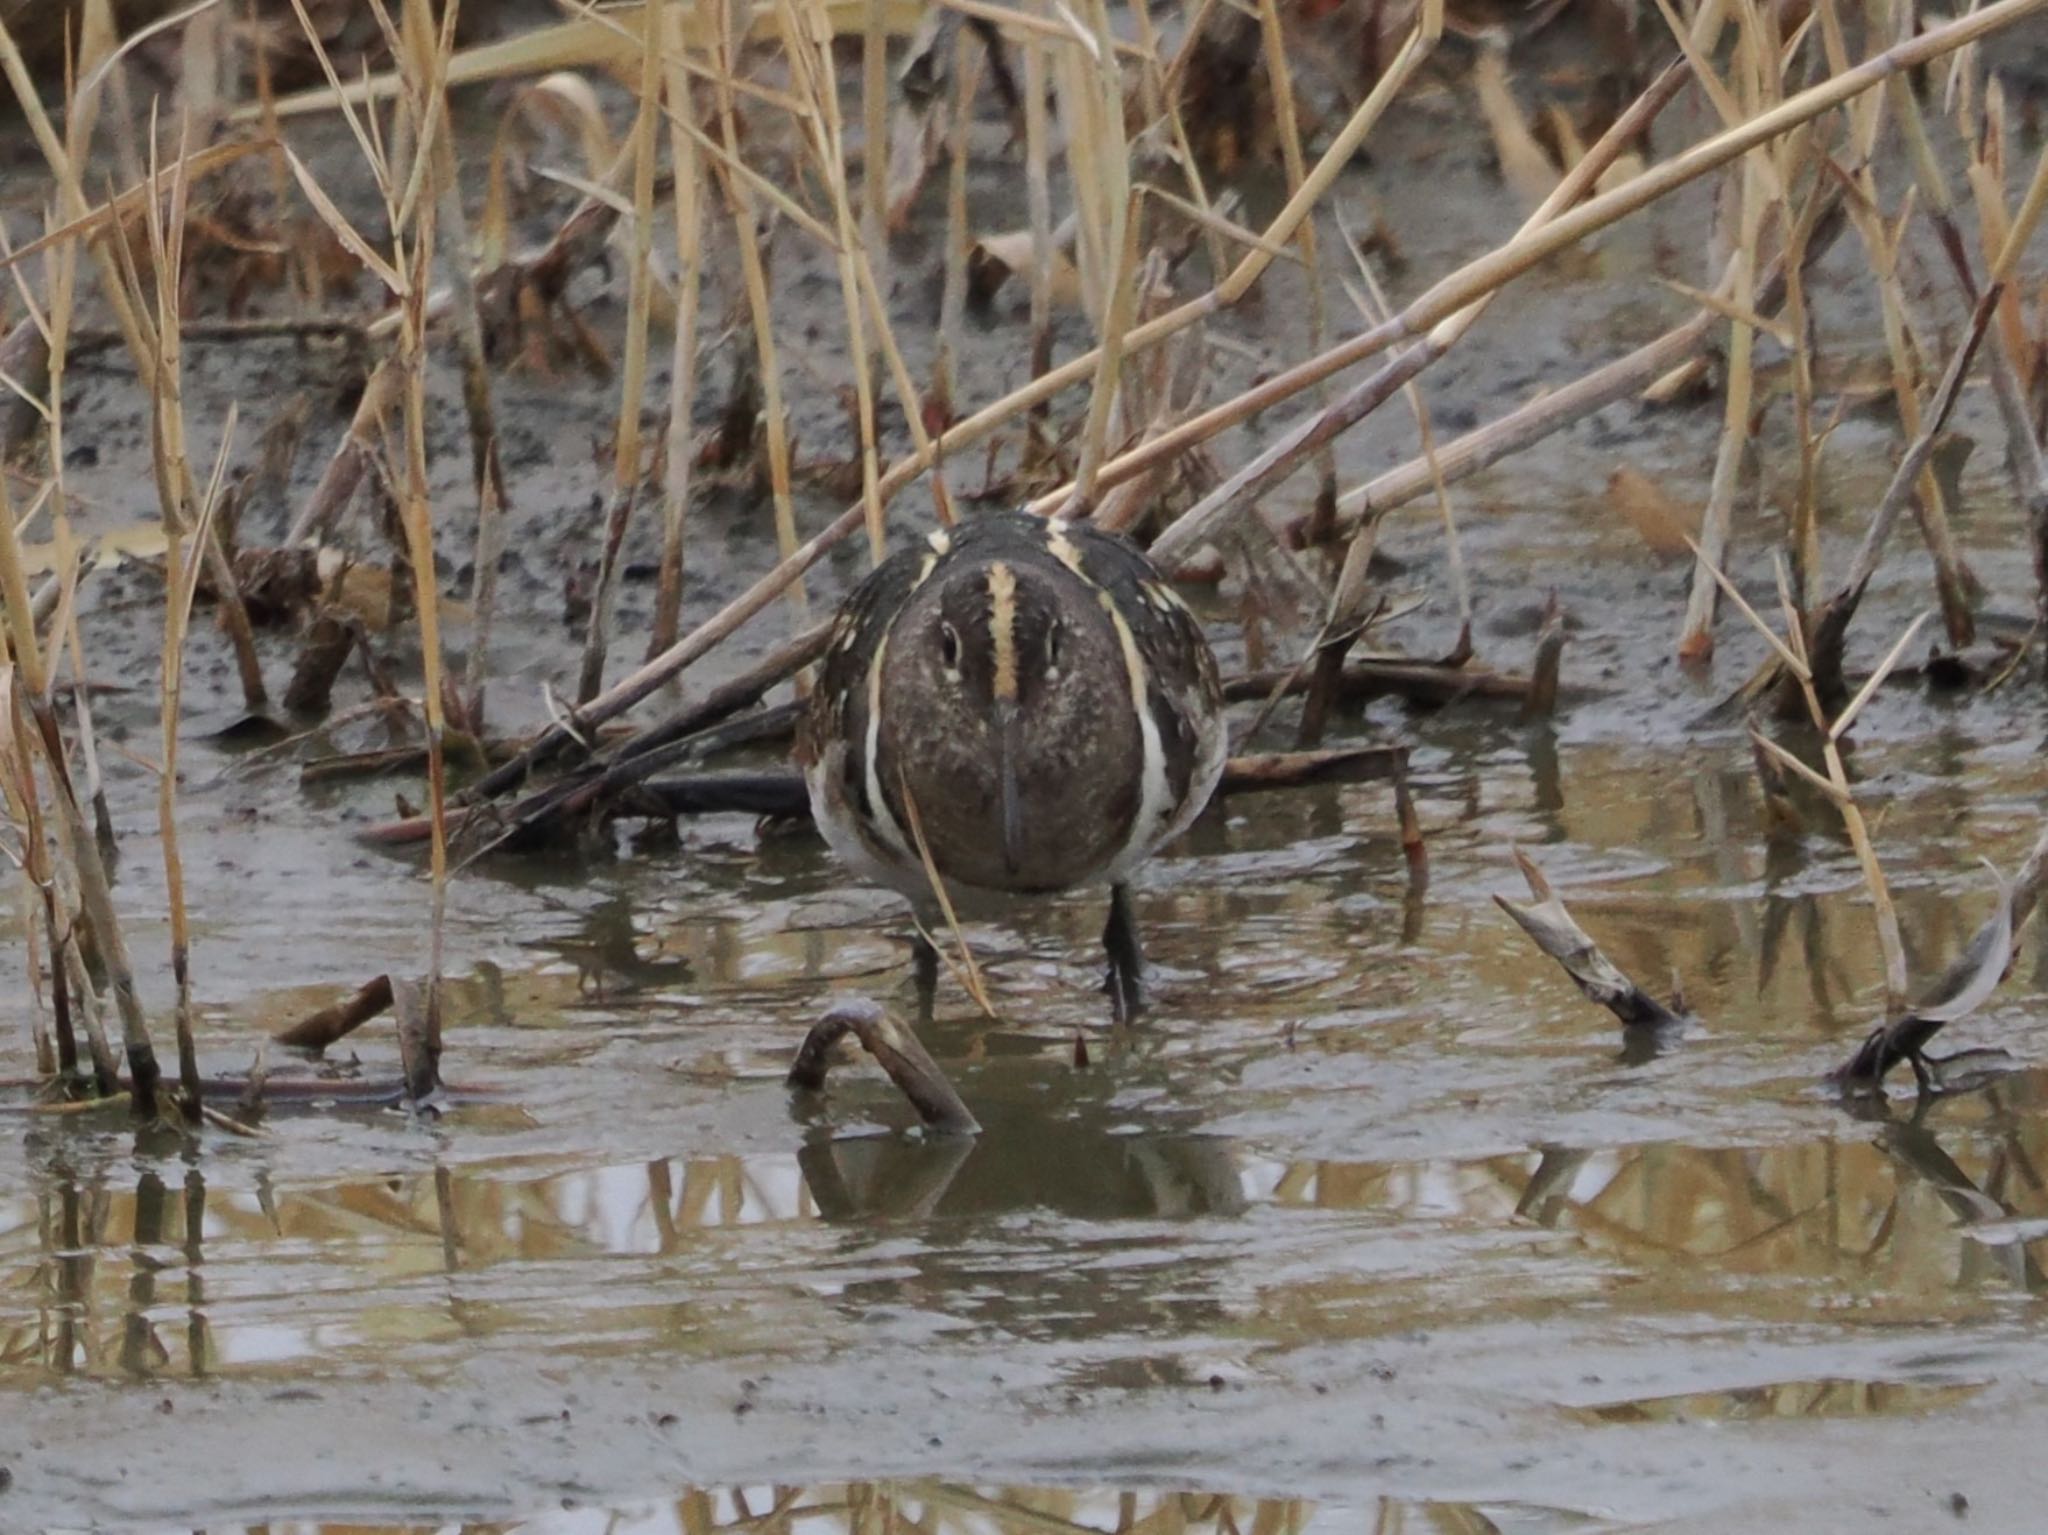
pixel 1528 171
pixel 1664 524
pixel 994 258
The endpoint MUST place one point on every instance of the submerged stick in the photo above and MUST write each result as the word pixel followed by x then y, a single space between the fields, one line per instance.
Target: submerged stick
pixel 897 1050
pixel 1559 935
pixel 338 1020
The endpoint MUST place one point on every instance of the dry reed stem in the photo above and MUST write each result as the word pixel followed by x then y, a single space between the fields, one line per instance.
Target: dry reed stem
pixel 1200 521
pixel 1280 74
pixel 680 456
pixel 1442 301
pixel 633 375
pixel 953 285
pixel 136 331
pixel 1555 409
pixel 968 972
pixel 1487 274
pixel 1696 631
pixel 830 149
pixel 1038 201
pixel 747 231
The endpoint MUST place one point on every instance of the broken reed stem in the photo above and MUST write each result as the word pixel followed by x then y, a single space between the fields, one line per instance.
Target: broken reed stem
pixel 633 375
pixel 899 1052
pixel 680 457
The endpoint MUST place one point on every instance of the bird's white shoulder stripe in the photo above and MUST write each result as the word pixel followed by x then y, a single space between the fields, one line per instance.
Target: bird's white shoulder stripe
pixel 878 805
pixel 1155 790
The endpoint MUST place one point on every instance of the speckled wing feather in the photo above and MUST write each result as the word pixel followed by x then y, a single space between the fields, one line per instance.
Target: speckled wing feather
pixel 839 702
pixel 1184 694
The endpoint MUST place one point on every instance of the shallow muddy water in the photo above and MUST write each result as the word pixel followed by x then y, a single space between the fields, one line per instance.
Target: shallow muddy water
pixel 1372 1224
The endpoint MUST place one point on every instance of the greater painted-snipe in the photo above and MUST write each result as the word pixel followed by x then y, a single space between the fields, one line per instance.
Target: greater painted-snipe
pixel 1030 697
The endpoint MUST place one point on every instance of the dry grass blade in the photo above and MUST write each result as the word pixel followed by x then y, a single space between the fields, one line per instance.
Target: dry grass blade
pixel 1875 681
pixel 968 972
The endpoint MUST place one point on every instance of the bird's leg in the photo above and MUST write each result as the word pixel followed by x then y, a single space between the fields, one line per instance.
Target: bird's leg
pixel 924 970
pixel 1923 1075
pixel 1126 959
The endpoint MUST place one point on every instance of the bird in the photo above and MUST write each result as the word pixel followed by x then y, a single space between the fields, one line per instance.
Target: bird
pixel 1028 701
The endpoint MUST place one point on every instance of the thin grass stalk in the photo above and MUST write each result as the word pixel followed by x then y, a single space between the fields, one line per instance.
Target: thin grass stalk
pixel 1802 536
pixel 681 454
pixel 739 200
pixel 1454 549
pixel 633 375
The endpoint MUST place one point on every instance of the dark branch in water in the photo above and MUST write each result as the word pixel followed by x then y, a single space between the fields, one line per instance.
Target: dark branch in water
pixel 896 1049
pixel 337 1020
pixel 1962 989
pixel 1557 934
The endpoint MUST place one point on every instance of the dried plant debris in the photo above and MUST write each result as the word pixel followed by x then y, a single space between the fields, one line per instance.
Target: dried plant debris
pixel 1964 987
pixel 1557 933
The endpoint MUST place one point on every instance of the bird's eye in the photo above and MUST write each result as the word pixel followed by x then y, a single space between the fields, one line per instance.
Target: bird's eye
pixel 949 645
